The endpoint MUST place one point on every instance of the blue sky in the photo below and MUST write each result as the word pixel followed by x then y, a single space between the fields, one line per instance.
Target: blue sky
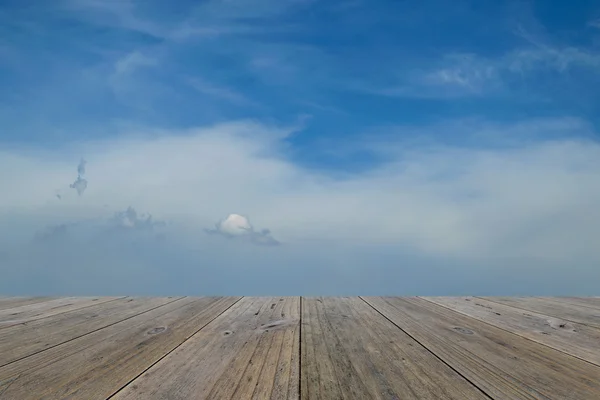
pixel 366 146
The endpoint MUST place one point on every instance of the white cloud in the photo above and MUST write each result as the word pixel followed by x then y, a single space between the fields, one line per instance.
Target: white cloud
pixel 234 225
pixel 238 226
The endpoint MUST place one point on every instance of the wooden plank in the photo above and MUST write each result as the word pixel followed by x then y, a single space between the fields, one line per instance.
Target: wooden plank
pixel 349 351
pixel 11 302
pixel 570 337
pixel 249 352
pixel 95 366
pixel 591 302
pixel 503 365
pixel 564 310
pixel 29 338
pixel 31 312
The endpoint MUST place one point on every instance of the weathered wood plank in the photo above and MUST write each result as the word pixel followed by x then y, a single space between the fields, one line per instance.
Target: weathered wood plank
pixel 570 337
pixel 29 338
pixel 502 364
pixel 94 366
pixel 11 302
pixel 591 302
pixel 350 351
pixel 249 352
pixel 18 315
pixel 564 310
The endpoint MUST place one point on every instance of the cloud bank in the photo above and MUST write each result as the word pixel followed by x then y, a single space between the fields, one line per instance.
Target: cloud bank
pixel 491 213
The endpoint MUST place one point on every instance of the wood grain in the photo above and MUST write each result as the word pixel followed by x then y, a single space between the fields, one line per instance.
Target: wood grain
pixel 503 365
pixel 249 352
pixel 349 351
pixel 576 339
pixel 94 366
pixel 11 302
pixel 28 338
pixel 30 312
pixel 556 308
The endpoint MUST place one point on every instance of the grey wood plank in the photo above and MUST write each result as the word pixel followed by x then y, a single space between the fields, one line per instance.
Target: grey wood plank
pixel 591 302
pixel 502 364
pixel 11 302
pixel 28 338
pixel 576 339
pixel 30 312
pixel 571 312
pixel 97 365
pixel 249 352
pixel 350 351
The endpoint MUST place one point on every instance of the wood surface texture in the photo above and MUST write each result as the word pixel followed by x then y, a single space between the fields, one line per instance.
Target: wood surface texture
pixel 300 348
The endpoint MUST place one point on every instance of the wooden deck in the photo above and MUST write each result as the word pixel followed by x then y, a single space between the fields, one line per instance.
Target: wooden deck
pixel 299 348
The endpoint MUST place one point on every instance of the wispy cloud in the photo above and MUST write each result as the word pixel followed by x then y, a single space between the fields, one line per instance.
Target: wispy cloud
pixel 456 76
pixel 460 75
pixel 208 19
pixel 219 92
pixel 115 13
pixel 542 54
pixel 132 61
pixel 558 59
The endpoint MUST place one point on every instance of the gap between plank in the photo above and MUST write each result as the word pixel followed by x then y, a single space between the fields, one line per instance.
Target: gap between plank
pixel 426 348
pixel 88 333
pixel 172 350
pixel 300 354
pixel 512 333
